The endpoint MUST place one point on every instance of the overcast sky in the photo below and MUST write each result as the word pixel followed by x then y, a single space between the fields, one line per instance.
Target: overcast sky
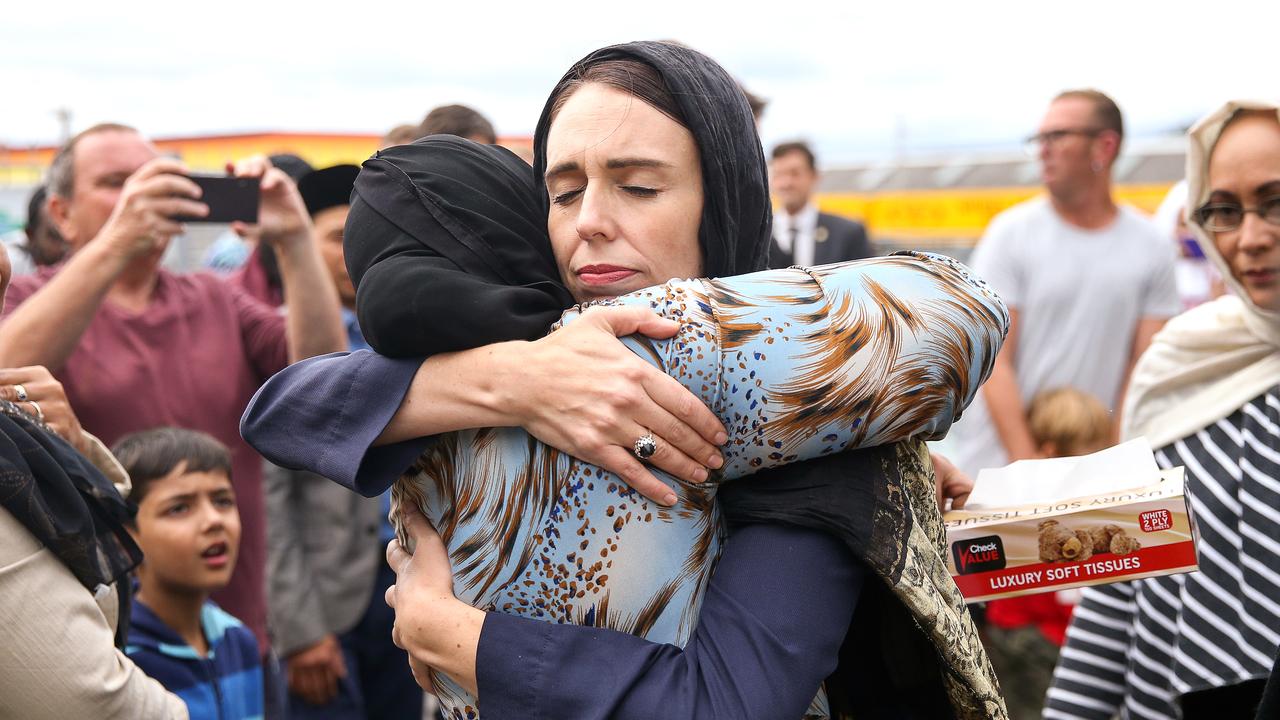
pixel 859 79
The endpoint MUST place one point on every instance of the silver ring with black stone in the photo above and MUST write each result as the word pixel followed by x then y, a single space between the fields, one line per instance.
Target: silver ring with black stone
pixel 646 445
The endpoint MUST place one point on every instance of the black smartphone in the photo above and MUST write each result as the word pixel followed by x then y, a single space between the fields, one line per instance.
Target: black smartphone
pixel 230 199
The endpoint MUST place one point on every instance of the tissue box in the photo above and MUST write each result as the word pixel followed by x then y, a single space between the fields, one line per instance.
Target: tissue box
pixel 997 552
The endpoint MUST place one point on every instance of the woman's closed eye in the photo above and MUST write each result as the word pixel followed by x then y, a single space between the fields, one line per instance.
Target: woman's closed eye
pixel 566 197
pixel 640 191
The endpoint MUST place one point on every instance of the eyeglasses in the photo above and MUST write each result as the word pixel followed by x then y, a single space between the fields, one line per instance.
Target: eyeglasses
pixel 1225 217
pixel 1033 144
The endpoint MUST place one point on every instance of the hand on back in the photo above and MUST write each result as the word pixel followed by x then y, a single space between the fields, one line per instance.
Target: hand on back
pixel 580 390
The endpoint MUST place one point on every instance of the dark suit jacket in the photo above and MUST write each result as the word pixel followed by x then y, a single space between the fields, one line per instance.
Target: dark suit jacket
pixel 836 239
pixel 843 240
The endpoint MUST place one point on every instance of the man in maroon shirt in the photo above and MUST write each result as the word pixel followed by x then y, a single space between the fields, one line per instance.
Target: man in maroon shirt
pixel 136 346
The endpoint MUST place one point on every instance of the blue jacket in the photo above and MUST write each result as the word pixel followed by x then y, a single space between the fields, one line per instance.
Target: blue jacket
pixel 224 685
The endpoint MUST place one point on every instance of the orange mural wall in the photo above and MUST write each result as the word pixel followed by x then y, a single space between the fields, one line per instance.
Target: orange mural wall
pixel 210 153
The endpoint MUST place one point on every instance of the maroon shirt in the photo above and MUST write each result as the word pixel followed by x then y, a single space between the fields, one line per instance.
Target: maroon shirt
pixel 193 359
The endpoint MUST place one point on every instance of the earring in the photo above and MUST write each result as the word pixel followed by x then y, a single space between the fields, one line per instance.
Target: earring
pixel 1097 167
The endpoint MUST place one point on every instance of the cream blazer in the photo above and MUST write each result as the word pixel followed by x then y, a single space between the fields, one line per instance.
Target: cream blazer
pixel 58 659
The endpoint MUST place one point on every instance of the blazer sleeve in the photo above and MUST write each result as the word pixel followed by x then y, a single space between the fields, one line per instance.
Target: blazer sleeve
pixel 324 413
pixel 769 632
pixel 57 653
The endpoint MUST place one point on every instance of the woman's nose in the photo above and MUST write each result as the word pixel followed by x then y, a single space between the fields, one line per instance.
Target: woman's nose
pixel 1256 234
pixel 595 219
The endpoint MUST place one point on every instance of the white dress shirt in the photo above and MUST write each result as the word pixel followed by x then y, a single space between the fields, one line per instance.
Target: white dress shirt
pixel 803 227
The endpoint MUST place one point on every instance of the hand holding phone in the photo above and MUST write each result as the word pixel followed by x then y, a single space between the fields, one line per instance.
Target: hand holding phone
pixel 282 216
pixel 145 216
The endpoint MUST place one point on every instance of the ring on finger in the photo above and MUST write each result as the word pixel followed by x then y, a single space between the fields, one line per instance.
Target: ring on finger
pixel 646 445
pixel 36 406
pixel 20 391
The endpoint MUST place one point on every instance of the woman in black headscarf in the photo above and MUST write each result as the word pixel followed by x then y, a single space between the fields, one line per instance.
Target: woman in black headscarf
pixel 808 497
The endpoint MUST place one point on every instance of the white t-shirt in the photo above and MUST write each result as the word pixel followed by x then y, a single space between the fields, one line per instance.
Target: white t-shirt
pixel 1079 296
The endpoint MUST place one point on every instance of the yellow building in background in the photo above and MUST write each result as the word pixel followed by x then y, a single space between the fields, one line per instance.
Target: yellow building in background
pixel 944 203
pixel 24 167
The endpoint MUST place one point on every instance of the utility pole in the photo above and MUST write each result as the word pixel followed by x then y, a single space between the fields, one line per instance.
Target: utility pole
pixel 899 137
pixel 64 124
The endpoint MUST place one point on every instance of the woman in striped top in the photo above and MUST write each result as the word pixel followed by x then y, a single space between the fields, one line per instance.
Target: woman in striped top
pixel 1207 396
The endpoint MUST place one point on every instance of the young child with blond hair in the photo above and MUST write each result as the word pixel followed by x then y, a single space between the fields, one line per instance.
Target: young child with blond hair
pixel 1023 634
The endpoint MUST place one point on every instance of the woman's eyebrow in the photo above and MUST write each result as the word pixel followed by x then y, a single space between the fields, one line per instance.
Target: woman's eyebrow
pixel 567 166
pixel 1268 189
pixel 619 163
pixel 1223 195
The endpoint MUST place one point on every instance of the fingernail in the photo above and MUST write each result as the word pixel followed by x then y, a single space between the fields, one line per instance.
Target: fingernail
pixel 715 461
pixel 721 438
pixel 669 499
pixel 699 475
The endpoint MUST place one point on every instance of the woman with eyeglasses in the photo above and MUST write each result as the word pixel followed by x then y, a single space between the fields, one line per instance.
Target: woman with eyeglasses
pixel 1207 396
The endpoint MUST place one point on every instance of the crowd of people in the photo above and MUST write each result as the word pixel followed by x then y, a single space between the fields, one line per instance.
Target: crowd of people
pixel 352 474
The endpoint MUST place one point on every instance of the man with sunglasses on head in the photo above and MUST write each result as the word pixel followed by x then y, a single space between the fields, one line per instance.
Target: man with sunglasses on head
pixel 1088 282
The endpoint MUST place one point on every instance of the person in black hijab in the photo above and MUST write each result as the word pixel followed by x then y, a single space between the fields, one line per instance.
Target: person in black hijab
pixel 733 236
pixel 446 228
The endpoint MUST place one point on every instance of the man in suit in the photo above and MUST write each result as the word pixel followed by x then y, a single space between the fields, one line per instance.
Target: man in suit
pixel 326 547
pixel 801 234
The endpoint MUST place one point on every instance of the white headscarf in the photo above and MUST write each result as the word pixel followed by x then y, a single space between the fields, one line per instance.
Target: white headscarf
pixel 1208 362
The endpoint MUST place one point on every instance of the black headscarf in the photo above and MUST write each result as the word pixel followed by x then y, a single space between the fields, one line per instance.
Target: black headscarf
pixel 67 504
pixel 446 242
pixel 736 214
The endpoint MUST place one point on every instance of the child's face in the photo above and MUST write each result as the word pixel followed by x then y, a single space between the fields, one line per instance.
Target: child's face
pixel 189 530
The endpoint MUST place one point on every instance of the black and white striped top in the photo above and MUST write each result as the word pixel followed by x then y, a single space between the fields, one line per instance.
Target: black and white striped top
pixel 1133 648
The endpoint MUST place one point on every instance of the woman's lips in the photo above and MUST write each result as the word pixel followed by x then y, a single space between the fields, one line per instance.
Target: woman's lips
pixel 603 274
pixel 1261 276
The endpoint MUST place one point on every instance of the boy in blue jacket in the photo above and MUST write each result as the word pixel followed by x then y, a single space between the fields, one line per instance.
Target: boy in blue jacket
pixel 188 528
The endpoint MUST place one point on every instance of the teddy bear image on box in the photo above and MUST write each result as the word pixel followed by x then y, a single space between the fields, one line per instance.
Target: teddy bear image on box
pixel 1060 544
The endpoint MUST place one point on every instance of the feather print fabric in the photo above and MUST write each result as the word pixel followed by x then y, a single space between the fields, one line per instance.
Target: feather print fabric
pixel 797 363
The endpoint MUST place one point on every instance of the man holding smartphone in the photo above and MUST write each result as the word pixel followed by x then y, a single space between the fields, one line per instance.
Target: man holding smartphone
pixel 136 346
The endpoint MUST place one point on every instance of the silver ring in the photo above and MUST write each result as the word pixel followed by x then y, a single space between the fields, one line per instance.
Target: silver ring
pixel 36 405
pixel 21 392
pixel 646 445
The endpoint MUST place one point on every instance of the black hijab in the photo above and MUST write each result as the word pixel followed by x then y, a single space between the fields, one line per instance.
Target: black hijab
pixel 736 214
pixel 67 504
pixel 446 242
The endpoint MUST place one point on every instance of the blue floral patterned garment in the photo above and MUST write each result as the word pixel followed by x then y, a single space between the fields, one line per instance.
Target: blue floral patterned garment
pixel 797 363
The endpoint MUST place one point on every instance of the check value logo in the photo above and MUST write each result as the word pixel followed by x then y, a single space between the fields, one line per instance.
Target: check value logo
pixel 979 554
